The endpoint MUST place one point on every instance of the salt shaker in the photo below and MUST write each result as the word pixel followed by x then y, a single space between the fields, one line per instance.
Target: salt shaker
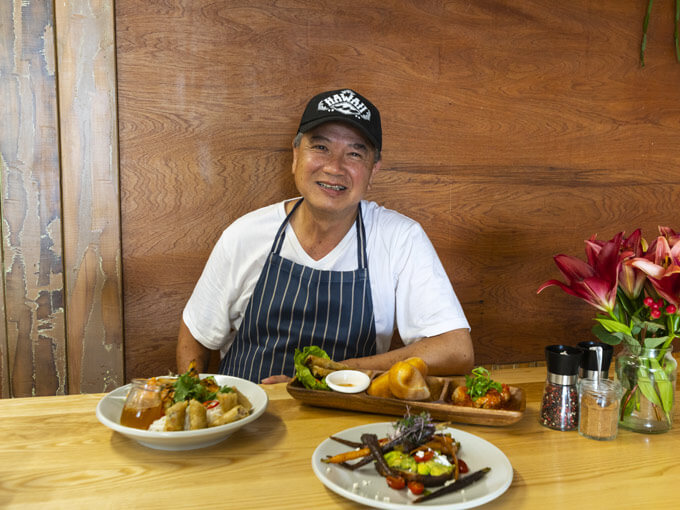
pixel 559 406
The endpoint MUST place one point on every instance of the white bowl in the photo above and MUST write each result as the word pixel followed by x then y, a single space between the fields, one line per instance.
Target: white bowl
pixel 110 407
pixel 347 381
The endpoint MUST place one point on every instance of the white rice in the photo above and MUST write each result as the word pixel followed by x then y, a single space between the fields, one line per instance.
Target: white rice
pixel 158 425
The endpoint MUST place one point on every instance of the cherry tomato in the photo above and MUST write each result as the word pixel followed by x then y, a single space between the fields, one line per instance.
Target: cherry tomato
pixel 462 466
pixel 423 456
pixel 416 487
pixel 396 482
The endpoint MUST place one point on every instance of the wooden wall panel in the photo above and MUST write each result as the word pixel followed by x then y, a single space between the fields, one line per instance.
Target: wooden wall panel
pixel 513 131
pixel 33 347
pixel 90 190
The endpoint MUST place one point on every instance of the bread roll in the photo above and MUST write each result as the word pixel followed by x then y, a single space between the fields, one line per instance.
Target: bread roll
pixel 380 386
pixel 419 364
pixel 406 382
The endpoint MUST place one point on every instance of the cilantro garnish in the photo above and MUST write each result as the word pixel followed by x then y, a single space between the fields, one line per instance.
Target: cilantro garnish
pixel 189 386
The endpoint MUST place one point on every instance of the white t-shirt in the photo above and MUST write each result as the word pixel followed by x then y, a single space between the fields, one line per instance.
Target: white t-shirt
pixel 408 283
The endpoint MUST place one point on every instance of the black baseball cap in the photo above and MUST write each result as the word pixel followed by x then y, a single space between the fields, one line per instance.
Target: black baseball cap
pixel 343 105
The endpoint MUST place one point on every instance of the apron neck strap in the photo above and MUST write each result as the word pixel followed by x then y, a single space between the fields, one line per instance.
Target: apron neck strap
pixel 362 258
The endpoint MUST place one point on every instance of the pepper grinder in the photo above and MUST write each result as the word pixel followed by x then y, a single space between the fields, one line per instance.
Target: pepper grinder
pixel 559 407
pixel 589 368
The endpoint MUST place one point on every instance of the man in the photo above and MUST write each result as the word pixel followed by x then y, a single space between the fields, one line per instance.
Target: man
pixel 327 269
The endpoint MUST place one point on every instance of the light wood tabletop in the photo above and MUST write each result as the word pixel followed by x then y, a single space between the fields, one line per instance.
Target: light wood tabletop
pixel 55 454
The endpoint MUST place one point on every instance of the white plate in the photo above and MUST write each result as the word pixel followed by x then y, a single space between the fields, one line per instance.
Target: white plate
pixel 367 487
pixel 110 407
pixel 348 381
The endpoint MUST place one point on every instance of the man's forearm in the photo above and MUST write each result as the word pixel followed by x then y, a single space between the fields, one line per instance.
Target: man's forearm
pixel 190 349
pixel 446 354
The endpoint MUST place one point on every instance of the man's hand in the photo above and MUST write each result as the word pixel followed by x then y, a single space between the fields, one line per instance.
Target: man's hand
pixel 273 379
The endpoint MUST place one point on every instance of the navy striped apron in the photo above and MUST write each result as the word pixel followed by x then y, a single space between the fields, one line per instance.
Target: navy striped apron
pixel 294 306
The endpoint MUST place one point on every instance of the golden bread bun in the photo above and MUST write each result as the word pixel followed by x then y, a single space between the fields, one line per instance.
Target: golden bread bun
pixel 380 386
pixel 436 385
pixel 407 382
pixel 419 364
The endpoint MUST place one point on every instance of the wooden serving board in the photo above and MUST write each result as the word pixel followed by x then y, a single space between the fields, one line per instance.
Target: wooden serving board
pixel 439 406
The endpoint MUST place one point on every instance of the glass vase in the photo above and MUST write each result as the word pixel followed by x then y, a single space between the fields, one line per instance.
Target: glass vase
pixel 648 379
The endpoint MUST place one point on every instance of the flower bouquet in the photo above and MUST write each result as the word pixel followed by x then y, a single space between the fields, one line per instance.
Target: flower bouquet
pixel 635 286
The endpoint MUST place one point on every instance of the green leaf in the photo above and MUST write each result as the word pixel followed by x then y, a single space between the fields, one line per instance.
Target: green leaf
pixel 664 384
pixel 647 386
pixel 614 326
pixel 651 327
pixel 605 336
pixel 654 342
pixel 188 387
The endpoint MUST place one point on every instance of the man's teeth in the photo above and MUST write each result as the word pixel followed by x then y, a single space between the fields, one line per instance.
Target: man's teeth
pixel 333 187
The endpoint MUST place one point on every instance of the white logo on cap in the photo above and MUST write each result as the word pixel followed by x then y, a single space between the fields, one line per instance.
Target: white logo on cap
pixel 347 103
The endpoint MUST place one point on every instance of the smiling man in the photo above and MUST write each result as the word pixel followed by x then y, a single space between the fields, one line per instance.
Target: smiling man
pixel 327 268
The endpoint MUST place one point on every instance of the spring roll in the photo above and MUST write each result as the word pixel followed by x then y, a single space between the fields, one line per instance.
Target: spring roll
pixel 227 400
pixel 316 361
pixel 235 413
pixel 197 415
pixel 175 415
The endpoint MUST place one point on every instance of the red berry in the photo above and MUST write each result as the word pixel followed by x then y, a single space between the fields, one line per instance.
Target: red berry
pixel 671 309
pixel 655 313
pixel 648 301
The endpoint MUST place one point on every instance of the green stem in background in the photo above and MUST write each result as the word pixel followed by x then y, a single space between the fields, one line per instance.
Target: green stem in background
pixel 672 323
pixel 645 24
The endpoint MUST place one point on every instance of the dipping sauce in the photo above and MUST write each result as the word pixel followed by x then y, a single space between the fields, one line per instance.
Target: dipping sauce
pixel 347 381
pixel 143 405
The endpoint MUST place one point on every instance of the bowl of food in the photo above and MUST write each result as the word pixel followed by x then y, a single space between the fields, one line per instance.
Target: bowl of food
pixel 166 413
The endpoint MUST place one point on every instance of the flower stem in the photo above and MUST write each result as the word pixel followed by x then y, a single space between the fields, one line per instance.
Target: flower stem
pixel 631 392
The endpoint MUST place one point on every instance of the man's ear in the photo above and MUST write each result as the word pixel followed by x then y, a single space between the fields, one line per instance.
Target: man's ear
pixel 374 170
pixel 295 156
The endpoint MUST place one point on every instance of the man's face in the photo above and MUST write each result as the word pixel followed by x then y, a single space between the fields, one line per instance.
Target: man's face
pixel 333 167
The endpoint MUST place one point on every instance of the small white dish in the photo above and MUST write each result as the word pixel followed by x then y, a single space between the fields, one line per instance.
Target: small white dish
pixel 110 407
pixel 348 381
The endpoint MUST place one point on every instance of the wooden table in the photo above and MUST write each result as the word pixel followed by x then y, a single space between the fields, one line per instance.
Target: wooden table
pixel 54 453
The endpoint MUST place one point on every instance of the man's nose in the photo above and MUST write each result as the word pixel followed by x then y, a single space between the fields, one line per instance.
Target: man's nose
pixel 335 163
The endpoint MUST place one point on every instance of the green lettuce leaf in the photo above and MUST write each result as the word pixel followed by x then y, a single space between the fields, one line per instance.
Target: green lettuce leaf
pixel 302 371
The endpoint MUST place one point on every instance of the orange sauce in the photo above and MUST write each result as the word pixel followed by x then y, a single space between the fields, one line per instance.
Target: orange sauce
pixel 348 385
pixel 140 417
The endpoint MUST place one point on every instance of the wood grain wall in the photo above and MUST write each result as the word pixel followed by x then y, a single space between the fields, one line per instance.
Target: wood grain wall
pixel 513 131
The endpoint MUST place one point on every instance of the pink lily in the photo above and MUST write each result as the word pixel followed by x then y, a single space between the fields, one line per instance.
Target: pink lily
pixel 595 283
pixel 631 279
pixel 663 270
